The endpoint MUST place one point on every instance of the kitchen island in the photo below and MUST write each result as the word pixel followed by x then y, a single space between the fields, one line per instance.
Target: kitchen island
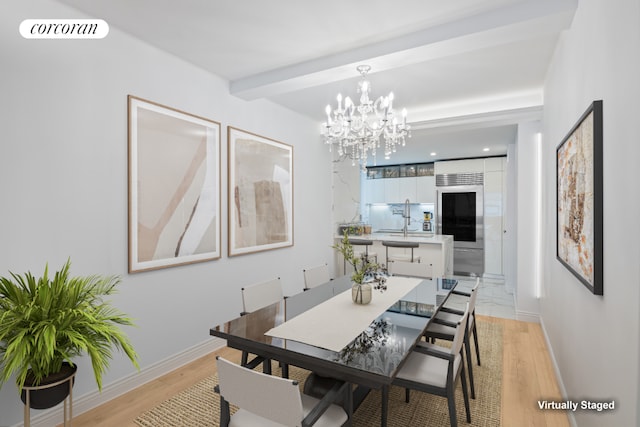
pixel 436 250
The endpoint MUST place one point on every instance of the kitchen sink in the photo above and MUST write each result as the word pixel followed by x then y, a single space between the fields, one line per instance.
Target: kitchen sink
pixel 396 230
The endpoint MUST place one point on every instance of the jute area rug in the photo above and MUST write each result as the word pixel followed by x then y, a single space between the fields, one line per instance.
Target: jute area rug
pixel 199 405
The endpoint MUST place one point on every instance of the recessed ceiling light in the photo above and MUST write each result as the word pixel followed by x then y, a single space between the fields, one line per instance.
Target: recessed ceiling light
pixel 433 153
pixel 485 149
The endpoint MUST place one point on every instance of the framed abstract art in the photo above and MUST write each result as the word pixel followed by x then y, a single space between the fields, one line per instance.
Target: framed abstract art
pixel 174 187
pixel 260 193
pixel 579 199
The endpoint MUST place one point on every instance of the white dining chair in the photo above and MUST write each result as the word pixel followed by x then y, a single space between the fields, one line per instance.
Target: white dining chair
pixel 268 401
pixel 447 313
pixel 436 370
pixel 316 276
pixel 441 327
pixel 260 295
pixel 255 297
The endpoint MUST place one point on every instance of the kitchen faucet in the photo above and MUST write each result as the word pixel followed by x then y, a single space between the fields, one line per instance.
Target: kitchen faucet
pixel 407 217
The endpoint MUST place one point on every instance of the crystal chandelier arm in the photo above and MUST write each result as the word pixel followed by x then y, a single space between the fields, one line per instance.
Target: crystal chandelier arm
pixel 378 107
pixel 328 111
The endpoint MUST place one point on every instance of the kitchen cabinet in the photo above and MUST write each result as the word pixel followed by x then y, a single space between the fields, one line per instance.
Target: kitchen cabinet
pixel 375 190
pixel 436 251
pixel 420 189
pixel 439 258
pixel 459 166
pixel 425 189
pixel 397 190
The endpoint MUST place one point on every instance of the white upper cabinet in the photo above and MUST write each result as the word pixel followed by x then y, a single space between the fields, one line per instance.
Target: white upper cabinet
pixel 420 189
pixel 396 183
pixel 426 189
pixel 375 190
pixel 459 166
pixel 397 190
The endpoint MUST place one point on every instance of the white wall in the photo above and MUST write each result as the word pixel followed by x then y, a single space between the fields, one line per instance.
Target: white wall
pixel 527 231
pixel 63 175
pixel 346 190
pixel 511 220
pixel 594 339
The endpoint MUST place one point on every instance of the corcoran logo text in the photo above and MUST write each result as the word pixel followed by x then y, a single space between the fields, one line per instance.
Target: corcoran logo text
pixel 64 29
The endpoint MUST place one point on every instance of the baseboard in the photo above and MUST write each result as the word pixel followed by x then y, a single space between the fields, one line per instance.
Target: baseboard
pixel 94 399
pixel 556 369
pixel 527 316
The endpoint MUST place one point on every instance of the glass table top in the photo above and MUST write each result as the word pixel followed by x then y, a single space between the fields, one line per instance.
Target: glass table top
pixel 378 350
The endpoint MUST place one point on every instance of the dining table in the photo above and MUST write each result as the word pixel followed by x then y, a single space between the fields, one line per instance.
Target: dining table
pixel 323 331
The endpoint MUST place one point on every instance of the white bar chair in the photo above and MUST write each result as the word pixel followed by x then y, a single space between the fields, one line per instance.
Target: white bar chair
pixel 411 269
pixel 397 256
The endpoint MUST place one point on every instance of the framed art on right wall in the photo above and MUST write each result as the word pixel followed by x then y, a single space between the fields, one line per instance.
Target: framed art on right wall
pixel 579 199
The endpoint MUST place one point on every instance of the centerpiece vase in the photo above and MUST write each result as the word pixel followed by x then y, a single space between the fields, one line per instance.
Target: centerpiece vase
pixel 361 293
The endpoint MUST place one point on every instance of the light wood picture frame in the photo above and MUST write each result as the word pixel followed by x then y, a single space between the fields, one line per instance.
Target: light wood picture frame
pixel 579 185
pixel 260 193
pixel 174 187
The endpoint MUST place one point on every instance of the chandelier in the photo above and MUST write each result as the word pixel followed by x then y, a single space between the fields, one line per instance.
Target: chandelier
pixel 358 130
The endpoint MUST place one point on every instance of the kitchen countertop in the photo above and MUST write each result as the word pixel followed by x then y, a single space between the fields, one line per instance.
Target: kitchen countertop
pixel 423 238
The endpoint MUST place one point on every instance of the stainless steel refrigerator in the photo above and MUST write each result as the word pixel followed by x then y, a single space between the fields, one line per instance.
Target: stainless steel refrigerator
pixel 460 213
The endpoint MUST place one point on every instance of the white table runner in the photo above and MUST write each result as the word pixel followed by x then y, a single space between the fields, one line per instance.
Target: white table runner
pixel 336 322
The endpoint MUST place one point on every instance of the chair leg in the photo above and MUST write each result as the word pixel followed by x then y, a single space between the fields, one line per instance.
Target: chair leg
pixel 475 339
pixel 407 394
pixel 245 358
pixel 385 402
pixel 348 404
pixel 465 394
pixel 451 400
pixel 467 348
pixel 266 366
pixel 225 413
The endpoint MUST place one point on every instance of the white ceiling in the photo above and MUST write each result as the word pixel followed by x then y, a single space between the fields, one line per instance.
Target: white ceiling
pixel 455 65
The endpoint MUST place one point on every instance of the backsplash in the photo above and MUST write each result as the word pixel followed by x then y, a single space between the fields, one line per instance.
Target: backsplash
pixel 389 216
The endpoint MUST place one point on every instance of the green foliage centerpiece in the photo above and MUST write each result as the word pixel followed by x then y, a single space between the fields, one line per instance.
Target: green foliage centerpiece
pixel 366 275
pixel 45 323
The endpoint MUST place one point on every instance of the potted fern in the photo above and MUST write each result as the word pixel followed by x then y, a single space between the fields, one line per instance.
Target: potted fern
pixel 46 322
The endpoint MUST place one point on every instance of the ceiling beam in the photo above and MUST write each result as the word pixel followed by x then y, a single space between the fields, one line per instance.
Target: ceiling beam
pixel 515 22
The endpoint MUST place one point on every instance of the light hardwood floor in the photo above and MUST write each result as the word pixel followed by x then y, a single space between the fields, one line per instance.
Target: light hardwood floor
pixel 528 376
